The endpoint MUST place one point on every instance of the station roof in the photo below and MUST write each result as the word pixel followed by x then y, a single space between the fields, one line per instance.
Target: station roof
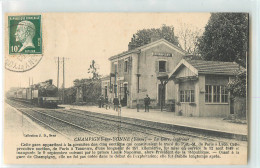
pixel 208 67
pixel 138 49
pixel 214 67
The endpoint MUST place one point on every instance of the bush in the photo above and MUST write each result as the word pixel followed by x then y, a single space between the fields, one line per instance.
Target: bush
pixel 180 113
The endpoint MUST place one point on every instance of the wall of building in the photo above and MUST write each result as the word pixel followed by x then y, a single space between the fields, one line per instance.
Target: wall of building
pixel 171 90
pixel 185 72
pixel 215 110
pixel 188 108
pixel 122 78
pixel 149 71
pixel 200 107
pixel 146 63
pixel 201 95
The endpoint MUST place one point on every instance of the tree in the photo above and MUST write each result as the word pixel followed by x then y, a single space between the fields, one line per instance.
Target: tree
pixel 237 87
pixel 225 38
pixel 144 36
pixel 93 70
pixel 89 87
pixel 188 36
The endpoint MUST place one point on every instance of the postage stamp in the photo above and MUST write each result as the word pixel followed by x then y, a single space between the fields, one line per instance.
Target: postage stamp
pixel 25 42
pixel 25 34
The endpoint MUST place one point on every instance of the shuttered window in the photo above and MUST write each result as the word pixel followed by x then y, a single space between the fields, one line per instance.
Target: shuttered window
pixel 162 66
pixel 126 66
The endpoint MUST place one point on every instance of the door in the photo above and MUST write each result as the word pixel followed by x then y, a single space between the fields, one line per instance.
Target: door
pixel 232 111
pixel 105 91
pixel 124 99
pixel 161 94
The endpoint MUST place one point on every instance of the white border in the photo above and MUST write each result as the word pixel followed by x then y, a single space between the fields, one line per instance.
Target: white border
pixel 250 6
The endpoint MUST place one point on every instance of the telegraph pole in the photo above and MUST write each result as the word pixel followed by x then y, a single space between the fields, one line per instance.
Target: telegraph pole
pixel 62 59
pixel 58 75
pixel 63 80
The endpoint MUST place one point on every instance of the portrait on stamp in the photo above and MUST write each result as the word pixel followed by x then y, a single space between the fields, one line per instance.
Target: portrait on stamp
pixel 25 33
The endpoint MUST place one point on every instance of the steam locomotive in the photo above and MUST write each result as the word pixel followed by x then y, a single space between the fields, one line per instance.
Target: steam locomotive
pixel 43 94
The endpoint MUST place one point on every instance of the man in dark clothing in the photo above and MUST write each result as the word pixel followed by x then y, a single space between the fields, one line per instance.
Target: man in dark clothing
pixel 146 103
pixel 116 103
pixel 101 101
pixel 106 102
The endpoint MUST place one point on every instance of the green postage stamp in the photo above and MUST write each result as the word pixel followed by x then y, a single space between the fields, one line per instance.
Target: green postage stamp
pixel 25 45
pixel 25 36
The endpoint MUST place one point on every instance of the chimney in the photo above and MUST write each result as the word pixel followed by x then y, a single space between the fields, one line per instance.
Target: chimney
pixel 131 45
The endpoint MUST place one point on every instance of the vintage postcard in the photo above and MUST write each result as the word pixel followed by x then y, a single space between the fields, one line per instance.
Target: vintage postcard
pixel 126 88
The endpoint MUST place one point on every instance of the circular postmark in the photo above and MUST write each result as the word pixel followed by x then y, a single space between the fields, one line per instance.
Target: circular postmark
pixel 24 49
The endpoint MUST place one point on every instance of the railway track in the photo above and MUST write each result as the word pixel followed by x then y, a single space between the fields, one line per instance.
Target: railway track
pixel 118 125
pixel 122 124
pixel 56 124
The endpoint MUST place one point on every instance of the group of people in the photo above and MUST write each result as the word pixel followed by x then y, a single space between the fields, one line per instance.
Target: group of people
pixel 104 101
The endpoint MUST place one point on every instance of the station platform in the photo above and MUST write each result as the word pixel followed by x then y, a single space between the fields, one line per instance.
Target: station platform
pixel 208 124
pixel 18 125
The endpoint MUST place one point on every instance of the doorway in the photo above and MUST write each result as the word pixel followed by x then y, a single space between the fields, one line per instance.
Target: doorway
pixel 124 98
pixel 105 91
pixel 232 111
pixel 161 94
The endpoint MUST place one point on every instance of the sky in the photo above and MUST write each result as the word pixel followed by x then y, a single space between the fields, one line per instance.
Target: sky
pixel 83 37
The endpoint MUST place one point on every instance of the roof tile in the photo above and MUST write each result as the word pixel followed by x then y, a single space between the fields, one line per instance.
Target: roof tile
pixel 215 67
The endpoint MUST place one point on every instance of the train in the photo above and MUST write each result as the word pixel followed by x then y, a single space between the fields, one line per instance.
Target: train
pixel 43 94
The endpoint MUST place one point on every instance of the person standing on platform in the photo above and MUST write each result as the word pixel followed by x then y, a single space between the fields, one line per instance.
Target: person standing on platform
pixel 116 103
pixel 146 103
pixel 100 101
pixel 106 102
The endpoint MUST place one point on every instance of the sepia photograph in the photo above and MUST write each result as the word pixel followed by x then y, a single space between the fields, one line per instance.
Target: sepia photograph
pixel 126 88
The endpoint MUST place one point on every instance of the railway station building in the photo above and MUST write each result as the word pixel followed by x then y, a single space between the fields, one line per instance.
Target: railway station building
pixel 172 79
pixel 141 71
pixel 201 88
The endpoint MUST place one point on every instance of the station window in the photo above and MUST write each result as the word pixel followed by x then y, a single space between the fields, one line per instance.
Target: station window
pixel 162 66
pixel 181 96
pixel 216 94
pixel 115 68
pixel 187 96
pixel 126 66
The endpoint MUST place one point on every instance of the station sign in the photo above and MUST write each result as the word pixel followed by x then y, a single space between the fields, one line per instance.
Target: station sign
pixel 161 54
